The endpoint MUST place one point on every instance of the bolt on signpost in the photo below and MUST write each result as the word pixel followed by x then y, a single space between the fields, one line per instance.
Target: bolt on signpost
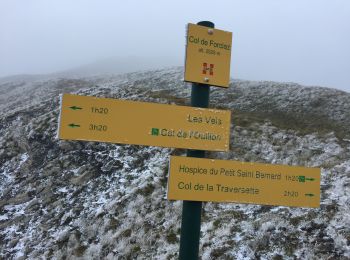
pixel 191 210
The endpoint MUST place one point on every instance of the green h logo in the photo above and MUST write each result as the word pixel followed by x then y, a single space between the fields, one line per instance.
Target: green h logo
pixel 155 131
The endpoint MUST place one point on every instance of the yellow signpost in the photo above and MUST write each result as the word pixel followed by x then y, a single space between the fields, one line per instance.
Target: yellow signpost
pixel 198 179
pixel 208 56
pixel 130 122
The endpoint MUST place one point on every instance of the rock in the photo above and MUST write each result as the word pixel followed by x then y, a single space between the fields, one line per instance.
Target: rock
pixel 19 199
pixel 33 205
pixel 82 179
pixel 13 242
pixel 65 146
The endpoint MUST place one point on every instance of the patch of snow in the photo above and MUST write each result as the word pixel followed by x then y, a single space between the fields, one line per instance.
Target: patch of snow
pixel 24 158
pixel 4 217
pixel 16 210
pixel 75 171
pixel 63 190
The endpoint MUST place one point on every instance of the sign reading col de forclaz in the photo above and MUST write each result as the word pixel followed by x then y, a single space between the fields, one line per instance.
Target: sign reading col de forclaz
pixel 208 56
pixel 141 123
pixel 232 181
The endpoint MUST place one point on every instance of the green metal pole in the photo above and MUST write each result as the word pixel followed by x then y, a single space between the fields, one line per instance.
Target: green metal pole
pixel 191 210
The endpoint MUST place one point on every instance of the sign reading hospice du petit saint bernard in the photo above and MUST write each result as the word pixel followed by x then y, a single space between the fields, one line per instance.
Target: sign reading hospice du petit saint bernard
pixel 208 56
pixel 199 179
pixel 141 123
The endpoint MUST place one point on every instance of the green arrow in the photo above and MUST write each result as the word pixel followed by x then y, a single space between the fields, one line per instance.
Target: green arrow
pixel 75 108
pixel 309 194
pixel 73 125
pixel 303 179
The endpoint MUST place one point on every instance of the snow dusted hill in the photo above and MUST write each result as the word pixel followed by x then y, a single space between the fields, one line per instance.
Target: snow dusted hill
pixel 88 200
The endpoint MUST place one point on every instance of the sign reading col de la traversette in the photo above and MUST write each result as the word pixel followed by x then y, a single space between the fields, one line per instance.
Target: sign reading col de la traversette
pixel 208 56
pixel 198 179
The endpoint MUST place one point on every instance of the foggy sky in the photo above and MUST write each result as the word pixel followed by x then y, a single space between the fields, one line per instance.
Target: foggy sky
pixel 303 41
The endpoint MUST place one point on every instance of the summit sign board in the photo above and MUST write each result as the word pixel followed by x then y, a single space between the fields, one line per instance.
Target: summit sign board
pixel 141 123
pixel 199 179
pixel 208 56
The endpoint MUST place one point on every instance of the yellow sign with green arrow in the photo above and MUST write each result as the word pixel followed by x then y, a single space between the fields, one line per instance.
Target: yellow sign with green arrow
pixel 199 179
pixel 131 122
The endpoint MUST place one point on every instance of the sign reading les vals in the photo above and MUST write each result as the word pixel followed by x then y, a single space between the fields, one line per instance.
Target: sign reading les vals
pixel 199 179
pixel 130 122
pixel 208 56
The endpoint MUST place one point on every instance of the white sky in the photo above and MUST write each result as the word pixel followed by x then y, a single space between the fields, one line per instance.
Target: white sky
pixel 303 41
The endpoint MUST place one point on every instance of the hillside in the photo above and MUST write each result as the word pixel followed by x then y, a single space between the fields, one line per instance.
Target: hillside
pixel 88 200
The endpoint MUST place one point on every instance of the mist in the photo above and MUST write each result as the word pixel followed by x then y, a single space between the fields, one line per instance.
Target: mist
pixel 306 42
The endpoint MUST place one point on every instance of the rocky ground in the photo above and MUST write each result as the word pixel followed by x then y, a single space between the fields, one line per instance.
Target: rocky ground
pixel 88 200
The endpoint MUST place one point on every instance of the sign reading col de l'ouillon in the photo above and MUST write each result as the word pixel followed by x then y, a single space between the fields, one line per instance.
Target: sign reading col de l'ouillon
pixel 142 123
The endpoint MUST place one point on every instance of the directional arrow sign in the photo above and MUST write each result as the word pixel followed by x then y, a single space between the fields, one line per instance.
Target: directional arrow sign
pixel 199 179
pixel 309 194
pixel 309 179
pixel 73 125
pixel 130 122
pixel 75 108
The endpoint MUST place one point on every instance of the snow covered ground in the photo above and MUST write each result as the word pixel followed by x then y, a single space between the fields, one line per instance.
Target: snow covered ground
pixel 71 199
